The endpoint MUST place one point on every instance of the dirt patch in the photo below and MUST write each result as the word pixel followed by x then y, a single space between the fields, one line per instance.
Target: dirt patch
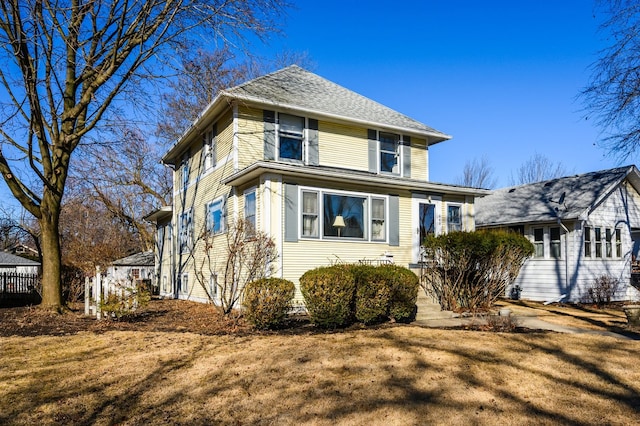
pixel 156 316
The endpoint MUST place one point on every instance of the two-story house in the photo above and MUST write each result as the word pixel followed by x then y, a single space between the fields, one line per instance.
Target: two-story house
pixel 328 174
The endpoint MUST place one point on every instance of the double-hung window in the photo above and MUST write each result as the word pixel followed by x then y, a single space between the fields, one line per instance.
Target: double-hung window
pixel 598 235
pixel 555 243
pixel 608 242
pixel 454 218
pixel 209 149
pixel 185 231
pixel 538 242
pixel 389 153
pixel 618 234
pixel 310 214
pixel 250 212
pixel 587 241
pixel 290 137
pixel 216 216
pixel 378 214
pixel 184 171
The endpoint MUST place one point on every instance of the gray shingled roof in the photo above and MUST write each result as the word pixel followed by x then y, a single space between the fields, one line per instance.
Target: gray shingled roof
pixel 8 259
pixel 145 258
pixel 565 198
pixel 298 88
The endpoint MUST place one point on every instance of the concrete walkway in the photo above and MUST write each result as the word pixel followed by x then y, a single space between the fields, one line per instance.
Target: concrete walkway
pixel 430 315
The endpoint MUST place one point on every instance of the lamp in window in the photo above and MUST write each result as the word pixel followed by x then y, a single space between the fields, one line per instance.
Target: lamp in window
pixel 339 223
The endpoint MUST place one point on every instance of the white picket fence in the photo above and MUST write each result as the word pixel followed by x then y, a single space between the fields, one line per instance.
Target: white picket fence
pixel 98 289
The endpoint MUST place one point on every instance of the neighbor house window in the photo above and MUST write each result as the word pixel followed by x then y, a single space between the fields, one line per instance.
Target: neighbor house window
pixel 587 241
pixel 538 242
pixel 309 214
pixel 555 245
pixel 209 149
pixel 343 216
pixel 250 211
pixel 378 226
pixel 290 137
pixel 608 243
pixel 389 153
pixel 185 231
pixel 135 274
pixel 215 216
pixel 454 218
pixel 598 237
pixel 618 243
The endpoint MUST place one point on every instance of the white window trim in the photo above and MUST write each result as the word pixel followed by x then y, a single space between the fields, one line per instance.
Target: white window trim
pixel 461 207
pixel 367 219
pixel 401 148
pixel 223 216
pixel 603 243
pixel 546 241
pixel 184 290
pixel 188 246
pixel 305 140
pixel 253 190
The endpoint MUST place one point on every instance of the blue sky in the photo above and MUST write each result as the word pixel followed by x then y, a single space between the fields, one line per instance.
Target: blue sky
pixel 501 77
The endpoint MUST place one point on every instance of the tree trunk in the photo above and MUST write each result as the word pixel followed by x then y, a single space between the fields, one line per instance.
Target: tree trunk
pixel 51 255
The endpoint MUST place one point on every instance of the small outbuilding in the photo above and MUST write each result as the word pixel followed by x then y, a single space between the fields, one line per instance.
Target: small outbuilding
pixel 138 266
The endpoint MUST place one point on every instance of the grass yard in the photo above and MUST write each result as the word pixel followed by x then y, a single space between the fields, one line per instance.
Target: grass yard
pixel 394 374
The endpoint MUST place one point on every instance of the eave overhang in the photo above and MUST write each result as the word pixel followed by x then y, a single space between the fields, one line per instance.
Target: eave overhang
pixel 340 176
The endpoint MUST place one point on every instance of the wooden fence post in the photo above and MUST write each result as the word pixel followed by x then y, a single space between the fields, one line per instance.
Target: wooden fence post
pixel 87 296
pixel 98 293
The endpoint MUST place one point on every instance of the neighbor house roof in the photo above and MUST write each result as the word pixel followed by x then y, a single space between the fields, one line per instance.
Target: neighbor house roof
pixel 145 258
pixel 8 259
pixel 295 89
pixel 571 197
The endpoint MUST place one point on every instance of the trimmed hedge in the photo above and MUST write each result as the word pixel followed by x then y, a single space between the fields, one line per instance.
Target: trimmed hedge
pixel 373 294
pixel 329 295
pixel 335 295
pixel 267 301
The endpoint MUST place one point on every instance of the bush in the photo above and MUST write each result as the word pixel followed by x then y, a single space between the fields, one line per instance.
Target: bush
pixel 404 286
pixel 329 295
pixel 124 301
pixel 373 294
pixel 603 290
pixel 470 270
pixel 267 301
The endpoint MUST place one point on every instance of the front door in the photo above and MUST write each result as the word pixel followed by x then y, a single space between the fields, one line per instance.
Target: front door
pixel 425 221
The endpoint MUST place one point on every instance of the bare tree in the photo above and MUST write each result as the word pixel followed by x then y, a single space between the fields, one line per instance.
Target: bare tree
pixel 612 97
pixel 537 169
pixel 68 65
pixel 477 174
pixel 226 269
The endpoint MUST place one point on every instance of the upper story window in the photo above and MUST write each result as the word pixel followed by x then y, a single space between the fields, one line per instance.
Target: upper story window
pixel 250 211
pixel 454 218
pixel 185 231
pixel 184 170
pixel 215 216
pixel 209 149
pixel 290 137
pixel 389 153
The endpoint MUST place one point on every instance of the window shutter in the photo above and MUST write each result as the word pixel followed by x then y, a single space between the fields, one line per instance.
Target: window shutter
pixel 373 150
pixel 269 135
pixel 406 156
pixel 290 212
pixel 394 220
pixel 314 157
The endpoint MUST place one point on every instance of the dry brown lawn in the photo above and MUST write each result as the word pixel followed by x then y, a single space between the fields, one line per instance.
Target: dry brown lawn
pixel 394 374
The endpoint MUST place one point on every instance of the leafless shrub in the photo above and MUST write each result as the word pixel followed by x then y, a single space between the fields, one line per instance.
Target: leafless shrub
pixel 604 289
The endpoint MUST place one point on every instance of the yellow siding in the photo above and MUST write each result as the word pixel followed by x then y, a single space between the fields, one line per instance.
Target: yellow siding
pixel 250 136
pixel 224 141
pixel 343 146
pixel 419 159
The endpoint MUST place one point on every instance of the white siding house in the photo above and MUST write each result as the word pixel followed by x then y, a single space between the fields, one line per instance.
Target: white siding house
pixel 582 227
pixel 10 263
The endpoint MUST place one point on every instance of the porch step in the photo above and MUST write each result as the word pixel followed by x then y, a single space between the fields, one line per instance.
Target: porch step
pixel 429 310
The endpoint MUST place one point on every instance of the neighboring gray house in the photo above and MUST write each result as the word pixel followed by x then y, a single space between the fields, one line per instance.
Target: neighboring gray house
pixel 583 227
pixel 138 266
pixel 15 264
